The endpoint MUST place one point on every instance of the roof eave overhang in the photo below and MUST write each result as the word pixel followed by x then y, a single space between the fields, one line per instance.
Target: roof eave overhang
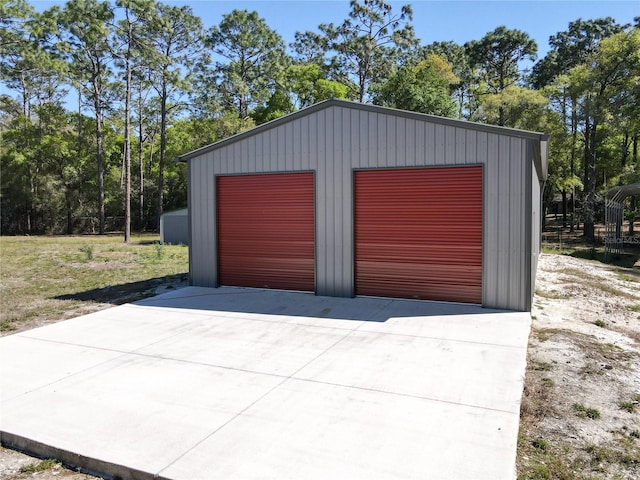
pixel 541 163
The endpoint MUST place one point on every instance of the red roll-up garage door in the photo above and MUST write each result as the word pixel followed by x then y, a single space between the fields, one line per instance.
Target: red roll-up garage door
pixel 418 233
pixel 266 231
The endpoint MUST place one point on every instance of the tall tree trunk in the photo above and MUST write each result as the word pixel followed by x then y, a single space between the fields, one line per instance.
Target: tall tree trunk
pixel 127 166
pixel 163 146
pixel 632 216
pixel 97 106
pixel 361 88
pixel 68 205
pixel 127 135
pixel 29 202
pixel 148 168
pixel 564 208
pixel 574 143
pixel 101 219
pixel 140 163
pixel 590 179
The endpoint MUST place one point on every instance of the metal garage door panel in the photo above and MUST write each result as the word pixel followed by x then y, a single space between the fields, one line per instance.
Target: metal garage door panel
pixel 418 233
pixel 266 231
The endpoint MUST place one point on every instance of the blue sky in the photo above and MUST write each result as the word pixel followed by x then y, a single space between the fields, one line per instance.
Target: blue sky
pixel 457 20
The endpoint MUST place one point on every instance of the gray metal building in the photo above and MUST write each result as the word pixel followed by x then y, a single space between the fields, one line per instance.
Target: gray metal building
pixel 347 199
pixel 174 227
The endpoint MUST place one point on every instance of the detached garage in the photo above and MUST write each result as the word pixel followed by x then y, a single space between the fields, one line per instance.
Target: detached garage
pixel 345 199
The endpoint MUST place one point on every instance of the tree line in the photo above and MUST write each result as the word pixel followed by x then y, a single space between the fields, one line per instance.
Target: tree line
pixel 151 83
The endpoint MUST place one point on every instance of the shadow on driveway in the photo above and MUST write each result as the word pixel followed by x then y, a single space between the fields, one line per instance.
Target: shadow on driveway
pixel 128 292
pixel 298 304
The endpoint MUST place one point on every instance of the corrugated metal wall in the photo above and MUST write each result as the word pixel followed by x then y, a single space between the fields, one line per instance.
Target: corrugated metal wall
pixel 536 230
pixel 336 140
pixel 174 227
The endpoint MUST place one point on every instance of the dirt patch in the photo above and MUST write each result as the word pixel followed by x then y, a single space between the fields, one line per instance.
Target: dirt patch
pixel 580 416
pixel 18 466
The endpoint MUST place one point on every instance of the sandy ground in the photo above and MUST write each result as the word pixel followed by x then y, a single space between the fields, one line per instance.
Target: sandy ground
pixel 581 405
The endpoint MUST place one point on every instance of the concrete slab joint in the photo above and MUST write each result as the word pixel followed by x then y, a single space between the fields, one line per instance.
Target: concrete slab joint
pixel 247 383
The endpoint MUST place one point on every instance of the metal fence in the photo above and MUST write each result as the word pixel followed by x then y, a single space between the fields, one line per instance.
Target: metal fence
pixel 614 238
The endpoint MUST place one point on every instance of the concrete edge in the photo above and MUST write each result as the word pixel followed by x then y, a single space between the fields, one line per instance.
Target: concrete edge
pixel 74 461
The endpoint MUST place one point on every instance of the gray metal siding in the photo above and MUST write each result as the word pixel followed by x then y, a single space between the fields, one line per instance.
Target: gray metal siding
pixel 333 142
pixel 174 227
pixel 535 241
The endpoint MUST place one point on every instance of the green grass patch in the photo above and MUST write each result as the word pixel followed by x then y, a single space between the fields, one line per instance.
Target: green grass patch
pixel 583 411
pixel 40 466
pixel 625 452
pixel 548 382
pixel 88 251
pixel 49 278
pixel 6 326
pixel 630 405
pixel 540 444
pixel 542 459
pixel 600 323
pixel 540 366
pixel 544 334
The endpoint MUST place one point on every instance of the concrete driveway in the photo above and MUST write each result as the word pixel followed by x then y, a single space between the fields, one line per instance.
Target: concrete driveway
pixel 236 383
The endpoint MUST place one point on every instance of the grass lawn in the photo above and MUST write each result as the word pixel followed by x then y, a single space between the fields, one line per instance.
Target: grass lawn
pixel 45 279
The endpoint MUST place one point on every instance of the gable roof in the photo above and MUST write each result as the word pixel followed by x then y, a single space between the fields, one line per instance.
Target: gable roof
pixel 541 148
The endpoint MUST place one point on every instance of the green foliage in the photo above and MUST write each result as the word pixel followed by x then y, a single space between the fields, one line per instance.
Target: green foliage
pixel 279 104
pixel 422 88
pixel 51 168
pixel 310 48
pixel 497 54
pixel 572 47
pixel 589 76
pixel 308 85
pixel 516 107
pixel 255 57
pixel 496 59
pixel 157 86
pixel 368 42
